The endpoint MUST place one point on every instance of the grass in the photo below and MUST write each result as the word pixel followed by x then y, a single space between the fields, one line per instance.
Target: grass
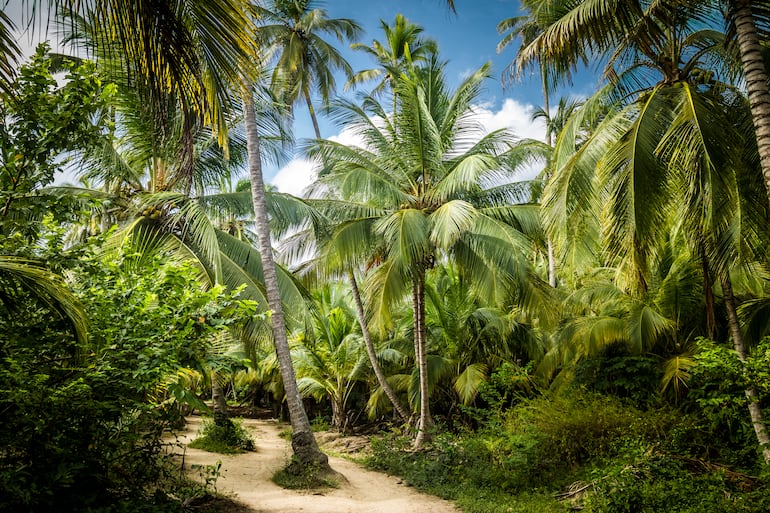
pixel 586 452
pixel 308 479
pixel 228 436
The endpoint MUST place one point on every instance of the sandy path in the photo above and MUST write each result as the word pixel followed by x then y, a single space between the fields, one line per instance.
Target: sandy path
pixel 248 477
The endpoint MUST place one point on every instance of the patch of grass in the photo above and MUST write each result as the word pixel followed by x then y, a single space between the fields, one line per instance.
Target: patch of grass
pixel 224 436
pixel 309 479
pixel 584 452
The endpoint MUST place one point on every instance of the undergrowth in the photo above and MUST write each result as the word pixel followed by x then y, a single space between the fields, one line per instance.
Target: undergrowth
pixel 586 451
pixel 309 479
pixel 224 436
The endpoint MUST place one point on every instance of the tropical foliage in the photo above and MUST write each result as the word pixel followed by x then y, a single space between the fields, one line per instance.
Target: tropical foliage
pixel 594 334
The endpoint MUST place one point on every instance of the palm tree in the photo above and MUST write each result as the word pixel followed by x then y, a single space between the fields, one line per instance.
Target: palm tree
pixel 415 194
pixel 331 360
pixel 744 16
pixel 403 48
pixel 306 451
pixel 597 26
pixel 656 156
pixel 305 61
pixel 528 28
pixel 474 337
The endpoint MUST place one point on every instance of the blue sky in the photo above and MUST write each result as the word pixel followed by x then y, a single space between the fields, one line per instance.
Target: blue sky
pixel 467 40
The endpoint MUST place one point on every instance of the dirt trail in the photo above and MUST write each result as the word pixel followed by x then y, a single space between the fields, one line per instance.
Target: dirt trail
pixel 248 477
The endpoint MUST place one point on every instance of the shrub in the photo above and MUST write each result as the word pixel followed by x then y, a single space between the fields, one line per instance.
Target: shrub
pixel 223 435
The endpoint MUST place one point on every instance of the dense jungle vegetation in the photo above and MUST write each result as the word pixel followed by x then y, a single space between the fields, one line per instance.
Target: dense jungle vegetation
pixel 595 337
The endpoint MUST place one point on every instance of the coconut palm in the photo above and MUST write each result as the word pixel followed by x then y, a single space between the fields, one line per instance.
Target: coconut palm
pixel 415 195
pixel 745 18
pixel 528 27
pixel 473 337
pixel 192 51
pixel 598 26
pixel 403 47
pixel 306 451
pixel 331 358
pixel 305 61
pixel 659 158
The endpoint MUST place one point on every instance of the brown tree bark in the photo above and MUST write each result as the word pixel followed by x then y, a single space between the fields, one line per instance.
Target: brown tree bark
pixel 306 452
pixel 756 79
pixel 708 286
pixel 311 109
pixel 755 412
pixel 421 359
pixel 381 379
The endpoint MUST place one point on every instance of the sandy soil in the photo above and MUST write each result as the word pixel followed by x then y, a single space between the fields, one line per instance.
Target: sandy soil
pixel 248 475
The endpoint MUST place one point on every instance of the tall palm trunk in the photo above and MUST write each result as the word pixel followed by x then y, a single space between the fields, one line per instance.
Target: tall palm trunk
pixel 708 287
pixel 756 79
pixel 219 401
pixel 311 109
pixel 549 142
pixel 421 357
pixel 306 450
pixel 755 412
pixel 381 379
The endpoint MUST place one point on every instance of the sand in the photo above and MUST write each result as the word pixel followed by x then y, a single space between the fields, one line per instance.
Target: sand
pixel 247 477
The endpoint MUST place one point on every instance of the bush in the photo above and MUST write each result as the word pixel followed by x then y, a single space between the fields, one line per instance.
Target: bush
pixel 223 435
pixel 656 483
pixel 81 421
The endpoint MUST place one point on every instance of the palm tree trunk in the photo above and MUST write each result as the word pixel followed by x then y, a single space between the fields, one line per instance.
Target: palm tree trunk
pixel 551 264
pixel 217 394
pixel 549 142
pixel 306 452
pixel 381 379
pixel 708 286
pixel 421 357
pixel 310 108
pixel 755 412
pixel 756 79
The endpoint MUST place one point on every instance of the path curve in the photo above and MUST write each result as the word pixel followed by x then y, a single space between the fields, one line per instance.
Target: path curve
pixel 248 476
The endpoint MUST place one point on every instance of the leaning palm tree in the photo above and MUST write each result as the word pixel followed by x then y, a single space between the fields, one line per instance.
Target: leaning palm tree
pixel 415 195
pixel 306 452
pixel 305 61
pixel 657 159
pixel 598 26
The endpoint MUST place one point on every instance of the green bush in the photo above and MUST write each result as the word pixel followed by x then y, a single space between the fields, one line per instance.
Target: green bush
pixel 657 483
pixel 223 435
pixel 81 422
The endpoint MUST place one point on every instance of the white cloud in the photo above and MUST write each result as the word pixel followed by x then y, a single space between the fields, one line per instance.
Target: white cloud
pixel 513 115
pixel 295 176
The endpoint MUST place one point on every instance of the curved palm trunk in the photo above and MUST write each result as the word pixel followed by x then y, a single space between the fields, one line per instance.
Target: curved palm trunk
pixel 310 108
pixel 711 318
pixel 549 142
pixel 757 419
pixel 421 357
pixel 381 379
pixel 218 396
pixel 306 452
pixel 756 79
